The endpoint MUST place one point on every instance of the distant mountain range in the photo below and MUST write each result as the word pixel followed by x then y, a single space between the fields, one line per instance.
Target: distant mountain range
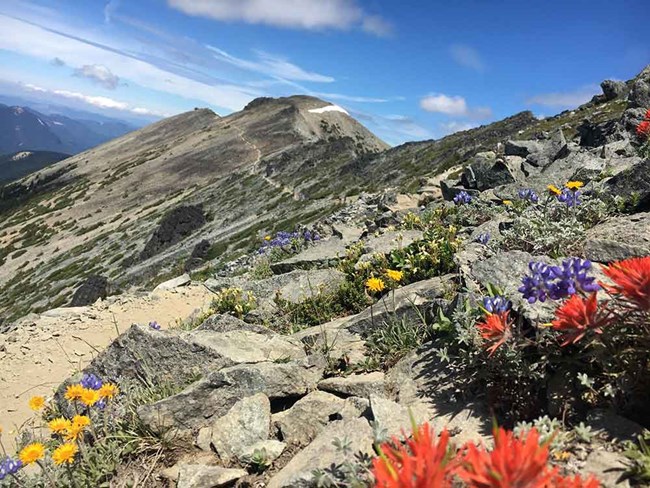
pixel 25 129
pixel 16 165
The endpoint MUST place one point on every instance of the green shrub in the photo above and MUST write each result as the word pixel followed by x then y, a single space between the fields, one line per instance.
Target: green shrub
pixel 234 301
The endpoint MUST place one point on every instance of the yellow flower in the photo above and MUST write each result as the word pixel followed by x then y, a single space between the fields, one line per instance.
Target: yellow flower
pixel 108 390
pixel 375 285
pixel 507 202
pixel 267 238
pixel 574 185
pixel 395 275
pixel 81 420
pixel 73 392
pixel 77 426
pixel 59 425
pixel 32 453
pixel 554 190
pixel 65 453
pixel 89 397
pixel 36 403
pixel 562 456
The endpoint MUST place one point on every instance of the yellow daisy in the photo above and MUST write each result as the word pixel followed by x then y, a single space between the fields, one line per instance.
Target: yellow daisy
pixel 81 420
pixel 89 397
pixel 32 453
pixel 36 403
pixel 77 427
pixel 395 275
pixel 554 190
pixel 574 185
pixel 73 392
pixel 507 202
pixel 267 238
pixel 65 453
pixel 375 285
pixel 59 425
pixel 108 390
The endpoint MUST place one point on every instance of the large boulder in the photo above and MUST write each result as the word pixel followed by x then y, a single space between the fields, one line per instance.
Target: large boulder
pixel 483 175
pixel 633 185
pixel 619 238
pixel 175 226
pixel 91 290
pixel 613 89
pixel 358 385
pixel 325 253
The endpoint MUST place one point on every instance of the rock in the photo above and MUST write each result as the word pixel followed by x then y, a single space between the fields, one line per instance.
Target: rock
pixel 202 476
pixel 214 395
pixel 246 423
pixel 633 181
pixel 308 284
pixel 619 238
pixel 198 256
pixel 335 341
pixel 640 94
pixel 613 89
pixel 174 283
pixel 394 419
pixel 354 407
pixel 608 467
pixel 451 188
pixel 390 241
pixel 91 290
pixel 175 226
pixel 322 454
pixel 264 451
pixel 307 417
pixel 227 323
pixel 410 302
pixel 359 385
pixel 594 134
pixel 614 426
pixel 522 148
pixel 484 175
pixel 325 253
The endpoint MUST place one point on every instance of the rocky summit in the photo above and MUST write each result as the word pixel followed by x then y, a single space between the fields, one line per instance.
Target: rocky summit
pixel 268 298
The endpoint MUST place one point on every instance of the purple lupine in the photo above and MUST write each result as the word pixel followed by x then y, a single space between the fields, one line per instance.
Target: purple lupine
pixel 483 238
pixel 557 282
pixel 570 197
pixel 528 194
pixel 462 198
pixel 9 467
pixel 154 325
pixel 91 382
pixel 535 286
pixel 497 304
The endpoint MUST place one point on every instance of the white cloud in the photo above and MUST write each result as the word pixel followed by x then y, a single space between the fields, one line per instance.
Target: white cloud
pixel 467 56
pixel 98 74
pixel 297 14
pixel 564 100
pixel 96 101
pixel 109 9
pixel 453 105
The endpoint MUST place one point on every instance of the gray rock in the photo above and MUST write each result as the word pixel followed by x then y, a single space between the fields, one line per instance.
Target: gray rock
pixel 321 453
pixel 394 419
pixel 619 238
pixel 390 241
pixel 411 302
pixel 202 476
pixel 635 180
pixel 613 89
pixel 310 283
pixel 484 175
pixel 359 385
pixel 335 341
pixel 267 451
pixel 218 392
pixel 246 423
pixel 174 283
pixel 522 148
pixel 614 426
pixel 354 407
pixel 307 417
pixel 608 467
pixel 451 188
pixel 640 94
pixel 594 134
pixel 325 253
pixel 228 323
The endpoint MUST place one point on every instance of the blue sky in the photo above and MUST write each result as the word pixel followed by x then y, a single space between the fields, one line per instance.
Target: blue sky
pixel 408 70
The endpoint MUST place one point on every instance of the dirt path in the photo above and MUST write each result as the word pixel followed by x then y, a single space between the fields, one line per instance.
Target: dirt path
pixel 37 357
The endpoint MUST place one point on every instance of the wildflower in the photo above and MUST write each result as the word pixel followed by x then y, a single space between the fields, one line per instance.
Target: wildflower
pixel 529 194
pixel 9 467
pixel 570 197
pixel 462 198
pixel 422 462
pixel 77 427
pixel 557 282
pixel 394 275
pixel 36 403
pixel 32 453
pixel 89 397
pixel 643 129
pixel 108 390
pixel 91 382
pixel 154 325
pixel 535 286
pixel 553 190
pixel 375 285
pixel 483 238
pixel 507 202
pixel 59 425
pixel 73 392
pixel 559 481
pixel 495 329
pixel 632 280
pixel 267 238
pixel 513 462
pixel 81 420
pixel 574 185
pixel 579 315
pixel 497 304
pixel 65 453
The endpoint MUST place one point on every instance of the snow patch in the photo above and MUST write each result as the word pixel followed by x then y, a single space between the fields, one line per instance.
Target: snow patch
pixel 329 108
pixel 41 122
pixel 56 123
pixel 21 155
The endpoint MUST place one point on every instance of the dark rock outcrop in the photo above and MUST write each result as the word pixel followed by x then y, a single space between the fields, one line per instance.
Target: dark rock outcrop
pixel 198 256
pixel 173 228
pixel 91 290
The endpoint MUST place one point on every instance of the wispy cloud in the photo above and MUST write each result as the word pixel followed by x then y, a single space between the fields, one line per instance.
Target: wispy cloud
pixel 456 126
pixel 98 74
pixel 453 105
pixel 295 14
pixel 564 100
pixel 467 56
